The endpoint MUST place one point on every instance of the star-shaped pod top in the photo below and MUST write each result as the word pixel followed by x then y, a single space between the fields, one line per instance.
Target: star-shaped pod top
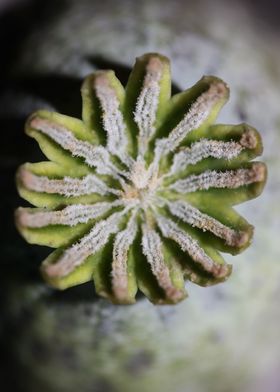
pixel 139 193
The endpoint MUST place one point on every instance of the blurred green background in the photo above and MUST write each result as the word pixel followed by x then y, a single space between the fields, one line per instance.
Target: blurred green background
pixel 221 339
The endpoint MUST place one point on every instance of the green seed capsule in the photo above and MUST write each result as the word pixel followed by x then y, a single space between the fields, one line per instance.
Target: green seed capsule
pixel 139 193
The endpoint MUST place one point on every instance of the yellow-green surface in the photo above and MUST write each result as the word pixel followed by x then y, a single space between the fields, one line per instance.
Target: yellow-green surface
pixel 222 339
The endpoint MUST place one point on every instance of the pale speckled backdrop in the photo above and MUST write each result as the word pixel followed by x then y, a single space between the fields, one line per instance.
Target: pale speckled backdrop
pixel 223 338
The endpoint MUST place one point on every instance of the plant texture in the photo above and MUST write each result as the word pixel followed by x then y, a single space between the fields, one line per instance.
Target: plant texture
pixel 139 193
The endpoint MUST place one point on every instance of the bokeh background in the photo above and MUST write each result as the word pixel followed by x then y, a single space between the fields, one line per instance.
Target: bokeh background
pixel 221 339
